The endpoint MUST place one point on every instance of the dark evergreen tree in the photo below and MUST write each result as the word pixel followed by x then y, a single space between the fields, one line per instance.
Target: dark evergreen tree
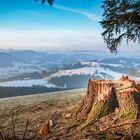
pixel 43 1
pixel 121 21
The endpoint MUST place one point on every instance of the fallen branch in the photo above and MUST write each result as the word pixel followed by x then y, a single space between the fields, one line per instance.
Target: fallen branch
pixel 73 126
pixel 120 125
pixel 13 125
pixel 2 133
pixel 24 134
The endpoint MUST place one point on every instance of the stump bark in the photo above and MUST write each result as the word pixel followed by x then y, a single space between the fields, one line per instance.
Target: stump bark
pixel 104 96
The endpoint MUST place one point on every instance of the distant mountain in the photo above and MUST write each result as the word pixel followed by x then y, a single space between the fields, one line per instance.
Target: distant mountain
pixel 35 64
pixel 6 60
pixel 13 62
pixel 30 71
pixel 77 75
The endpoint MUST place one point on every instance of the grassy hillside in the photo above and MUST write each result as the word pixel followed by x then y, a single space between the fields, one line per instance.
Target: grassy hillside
pixel 36 108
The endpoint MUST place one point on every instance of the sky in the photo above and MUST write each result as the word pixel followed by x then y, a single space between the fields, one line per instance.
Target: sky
pixel 67 25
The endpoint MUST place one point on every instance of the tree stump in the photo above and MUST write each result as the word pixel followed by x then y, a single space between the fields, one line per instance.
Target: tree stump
pixel 100 94
pixel 104 96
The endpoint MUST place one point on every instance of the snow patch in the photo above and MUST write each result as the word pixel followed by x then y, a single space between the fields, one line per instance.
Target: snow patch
pixel 27 83
pixel 113 65
pixel 93 64
pixel 87 70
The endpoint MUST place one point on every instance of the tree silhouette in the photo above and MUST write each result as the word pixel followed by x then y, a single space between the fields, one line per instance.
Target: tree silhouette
pixel 43 1
pixel 121 20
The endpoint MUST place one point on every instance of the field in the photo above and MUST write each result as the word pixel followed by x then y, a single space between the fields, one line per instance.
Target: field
pixel 35 109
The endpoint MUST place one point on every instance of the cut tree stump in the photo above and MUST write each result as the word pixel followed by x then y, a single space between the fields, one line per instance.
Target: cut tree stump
pixel 100 94
pixel 104 96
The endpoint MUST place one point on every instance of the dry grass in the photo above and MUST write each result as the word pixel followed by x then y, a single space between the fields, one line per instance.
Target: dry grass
pixel 36 109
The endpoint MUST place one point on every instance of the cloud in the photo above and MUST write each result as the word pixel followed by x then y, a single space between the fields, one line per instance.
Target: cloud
pixel 57 39
pixel 90 16
pixel 54 39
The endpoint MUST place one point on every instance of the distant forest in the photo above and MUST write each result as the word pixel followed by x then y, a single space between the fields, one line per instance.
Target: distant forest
pixel 19 91
pixel 73 81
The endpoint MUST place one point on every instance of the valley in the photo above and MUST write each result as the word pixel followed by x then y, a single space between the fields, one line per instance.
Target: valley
pixel 52 71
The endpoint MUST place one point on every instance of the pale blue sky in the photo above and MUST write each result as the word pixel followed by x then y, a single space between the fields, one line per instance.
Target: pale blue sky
pixel 68 25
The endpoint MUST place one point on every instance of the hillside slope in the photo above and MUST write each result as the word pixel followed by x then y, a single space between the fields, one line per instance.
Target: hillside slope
pixel 53 116
pixel 36 109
